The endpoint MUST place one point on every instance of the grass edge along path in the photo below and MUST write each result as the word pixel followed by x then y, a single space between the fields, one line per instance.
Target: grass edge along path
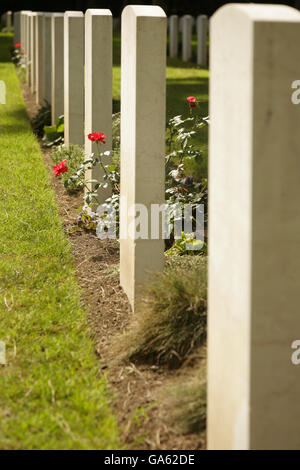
pixel 50 394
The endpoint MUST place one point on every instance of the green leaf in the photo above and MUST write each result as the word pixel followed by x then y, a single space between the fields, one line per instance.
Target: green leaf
pixel 60 120
pixel 50 130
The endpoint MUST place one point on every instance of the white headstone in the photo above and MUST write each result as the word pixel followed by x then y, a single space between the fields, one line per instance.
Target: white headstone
pixel 27 50
pixel 47 55
pixel 57 68
pixel 33 52
pixel 39 49
pixel 17 27
pixel 143 111
pixel 98 86
pixel 187 29
pixel 173 36
pixel 74 77
pixel 8 19
pixel 254 229
pixel 23 29
pixel 202 31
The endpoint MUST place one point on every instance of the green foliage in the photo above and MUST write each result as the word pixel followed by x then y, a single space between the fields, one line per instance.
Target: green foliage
pixel 180 186
pixel 41 125
pixel 51 394
pixel 187 245
pixel 54 135
pixel 74 154
pixel 85 222
pixel 16 56
pixel 180 189
pixel 183 79
pixel 41 119
pixel 111 177
pixel 170 320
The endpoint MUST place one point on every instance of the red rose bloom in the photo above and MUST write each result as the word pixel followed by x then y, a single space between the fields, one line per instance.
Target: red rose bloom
pixel 60 168
pixel 22 53
pixel 192 101
pixel 97 137
pixel 18 44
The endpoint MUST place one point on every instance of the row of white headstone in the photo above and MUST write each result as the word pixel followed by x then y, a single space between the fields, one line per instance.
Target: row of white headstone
pixel 254 193
pixel 68 59
pixel 185 26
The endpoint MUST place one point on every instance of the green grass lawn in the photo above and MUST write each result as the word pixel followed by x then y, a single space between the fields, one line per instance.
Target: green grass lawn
pixel 50 393
pixel 183 79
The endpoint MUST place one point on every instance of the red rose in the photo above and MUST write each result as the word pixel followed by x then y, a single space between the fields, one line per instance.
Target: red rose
pixel 97 137
pixel 18 44
pixel 60 168
pixel 192 101
pixel 22 53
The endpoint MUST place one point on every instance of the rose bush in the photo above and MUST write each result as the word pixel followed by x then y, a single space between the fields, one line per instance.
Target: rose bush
pixel 17 54
pixel 181 188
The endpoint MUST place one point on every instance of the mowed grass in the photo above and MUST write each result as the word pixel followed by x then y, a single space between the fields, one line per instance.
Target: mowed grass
pixel 50 394
pixel 183 79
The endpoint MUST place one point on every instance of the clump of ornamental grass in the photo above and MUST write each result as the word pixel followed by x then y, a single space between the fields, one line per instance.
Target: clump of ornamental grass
pixel 185 402
pixel 170 320
pixel 74 156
